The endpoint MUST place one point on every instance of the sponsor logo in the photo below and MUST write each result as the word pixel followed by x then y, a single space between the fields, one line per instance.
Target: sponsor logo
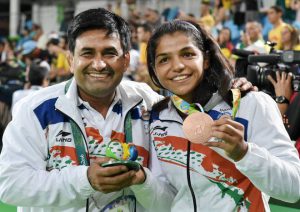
pixel 159 131
pixel 63 137
pixel 225 109
pixel 159 128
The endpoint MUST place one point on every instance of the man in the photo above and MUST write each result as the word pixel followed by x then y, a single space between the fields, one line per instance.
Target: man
pixel 144 32
pixel 206 18
pixel 30 52
pixel 152 17
pixel 37 79
pixel 275 18
pixel 60 67
pixel 254 39
pixel 54 147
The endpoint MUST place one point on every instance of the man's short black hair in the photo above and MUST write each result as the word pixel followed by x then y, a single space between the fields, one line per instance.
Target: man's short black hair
pixel 277 8
pixel 37 74
pixel 146 27
pixel 53 41
pixel 99 18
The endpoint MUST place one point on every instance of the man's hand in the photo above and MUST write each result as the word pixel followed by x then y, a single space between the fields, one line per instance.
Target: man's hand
pixel 243 84
pixel 283 84
pixel 110 179
pixel 232 134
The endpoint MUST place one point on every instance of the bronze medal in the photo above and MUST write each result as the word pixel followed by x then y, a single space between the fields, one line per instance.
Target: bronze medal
pixel 197 127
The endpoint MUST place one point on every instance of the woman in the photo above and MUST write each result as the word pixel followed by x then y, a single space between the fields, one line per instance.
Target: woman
pixel 247 160
pixel 290 38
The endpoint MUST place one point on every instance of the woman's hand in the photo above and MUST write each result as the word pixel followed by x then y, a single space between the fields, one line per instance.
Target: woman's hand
pixel 232 135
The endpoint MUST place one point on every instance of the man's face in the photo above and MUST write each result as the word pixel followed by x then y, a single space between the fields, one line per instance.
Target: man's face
pixel 150 16
pixel 252 31
pixel 273 16
pixel 98 63
pixel 142 35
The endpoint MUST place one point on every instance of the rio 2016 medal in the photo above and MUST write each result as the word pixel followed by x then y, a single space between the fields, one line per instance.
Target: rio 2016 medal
pixel 197 127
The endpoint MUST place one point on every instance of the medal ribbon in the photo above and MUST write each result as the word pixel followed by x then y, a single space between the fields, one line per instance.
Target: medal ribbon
pixel 236 100
pixel 186 107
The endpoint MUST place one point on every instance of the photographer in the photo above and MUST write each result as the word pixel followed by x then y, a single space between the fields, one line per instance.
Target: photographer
pixel 283 89
pixel 288 104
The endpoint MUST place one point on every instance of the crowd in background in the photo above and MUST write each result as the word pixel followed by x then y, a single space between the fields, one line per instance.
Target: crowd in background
pixel 234 24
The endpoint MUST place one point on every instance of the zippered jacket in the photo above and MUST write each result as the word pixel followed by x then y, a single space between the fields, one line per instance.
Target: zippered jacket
pixel 270 167
pixel 39 168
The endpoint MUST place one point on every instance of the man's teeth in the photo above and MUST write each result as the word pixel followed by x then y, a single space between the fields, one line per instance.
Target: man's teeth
pixel 182 77
pixel 98 74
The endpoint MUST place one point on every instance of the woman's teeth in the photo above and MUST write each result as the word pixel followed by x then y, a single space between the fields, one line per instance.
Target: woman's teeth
pixel 182 77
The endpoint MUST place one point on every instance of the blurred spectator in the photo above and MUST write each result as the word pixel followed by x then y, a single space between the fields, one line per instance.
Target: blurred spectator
pixel 224 40
pixel 252 12
pixel 39 36
pixel 290 38
pixel 219 12
pixel 63 42
pixel 238 10
pixel 117 10
pixel 30 51
pixel 206 18
pixel 134 55
pixel 295 5
pixel 234 29
pixel 2 51
pixel 152 17
pixel 59 66
pixel 289 14
pixel 254 38
pixel 143 34
pixel 109 7
pixel 172 13
pixel 252 41
pixel 24 36
pixel 37 79
pixel 275 18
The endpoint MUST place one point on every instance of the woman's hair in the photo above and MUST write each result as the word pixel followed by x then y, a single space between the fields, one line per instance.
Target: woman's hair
pixel 294 35
pixel 219 74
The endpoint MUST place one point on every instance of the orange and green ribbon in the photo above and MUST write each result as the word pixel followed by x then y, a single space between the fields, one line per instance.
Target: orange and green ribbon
pixel 186 107
pixel 236 100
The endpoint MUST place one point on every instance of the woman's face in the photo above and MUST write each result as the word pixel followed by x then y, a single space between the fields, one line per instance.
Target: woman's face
pixel 179 64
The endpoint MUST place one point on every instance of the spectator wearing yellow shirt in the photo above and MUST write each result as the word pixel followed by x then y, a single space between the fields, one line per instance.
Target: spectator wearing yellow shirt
pixel 60 67
pixel 224 40
pixel 290 38
pixel 206 18
pixel 275 18
pixel 227 4
pixel 144 32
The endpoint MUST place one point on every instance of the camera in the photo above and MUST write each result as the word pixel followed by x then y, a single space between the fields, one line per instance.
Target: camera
pixel 260 66
pixel 256 67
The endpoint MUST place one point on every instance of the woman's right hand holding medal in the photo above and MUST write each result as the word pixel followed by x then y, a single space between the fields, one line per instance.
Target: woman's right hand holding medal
pixel 232 135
